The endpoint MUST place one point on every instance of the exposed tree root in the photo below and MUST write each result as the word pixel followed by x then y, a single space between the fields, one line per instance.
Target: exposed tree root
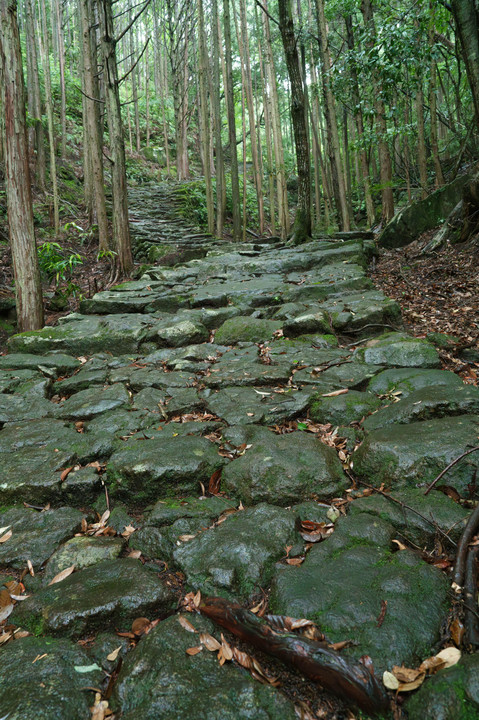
pixel 345 678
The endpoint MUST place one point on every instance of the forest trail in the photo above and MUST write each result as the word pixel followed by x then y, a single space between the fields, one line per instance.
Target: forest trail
pixel 218 426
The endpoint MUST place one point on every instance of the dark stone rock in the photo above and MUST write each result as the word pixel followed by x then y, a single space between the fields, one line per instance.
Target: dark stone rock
pixel 53 687
pixel 14 408
pixel 397 350
pixel 283 469
pixel 245 405
pixel 148 469
pixel 451 694
pixel 159 681
pixel 414 454
pixel 344 409
pixel 246 329
pixel 237 557
pixel 425 404
pixel 173 518
pixel 110 593
pixel 61 363
pixel 409 379
pixel 410 222
pixel 343 581
pixel 87 404
pixel 36 535
pixel 82 552
pixel 435 511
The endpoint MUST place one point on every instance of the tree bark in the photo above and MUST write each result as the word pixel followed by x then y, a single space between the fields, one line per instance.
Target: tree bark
pixel 302 222
pixel 231 123
pixel 28 289
pixel 466 16
pixel 385 169
pixel 121 227
pixel 91 121
pixel 204 116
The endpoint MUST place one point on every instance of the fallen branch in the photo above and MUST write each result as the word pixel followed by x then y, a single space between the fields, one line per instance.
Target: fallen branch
pixel 471 529
pixel 345 678
pixel 454 462
pixel 471 624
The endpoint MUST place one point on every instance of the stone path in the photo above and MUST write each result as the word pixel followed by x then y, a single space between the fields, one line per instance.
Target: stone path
pixel 262 367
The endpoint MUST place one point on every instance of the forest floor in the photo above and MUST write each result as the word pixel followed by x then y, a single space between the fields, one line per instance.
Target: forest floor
pixel 438 293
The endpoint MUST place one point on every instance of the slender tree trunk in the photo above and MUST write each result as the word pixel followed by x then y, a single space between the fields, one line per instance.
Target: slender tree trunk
pixel 302 222
pixel 421 138
pixel 215 99
pixel 339 184
pixel 231 122
pixel 466 16
pixel 49 108
pixel 121 227
pixel 204 116
pixel 385 168
pixel 61 65
pixel 244 46
pixel 281 188
pixel 35 108
pixel 28 289
pixel 91 122
pixel 358 117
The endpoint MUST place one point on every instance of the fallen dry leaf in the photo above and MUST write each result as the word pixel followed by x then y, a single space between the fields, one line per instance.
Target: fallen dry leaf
pixel 65 473
pixel 30 568
pixel 62 575
pixel 185 623
pixel 128 531
pixel 209 642
pixel 114 654
pixel 390 681
pixel 6 536
pixel 140 626
pixel 194 650
pixel 335 393
pixel 450 655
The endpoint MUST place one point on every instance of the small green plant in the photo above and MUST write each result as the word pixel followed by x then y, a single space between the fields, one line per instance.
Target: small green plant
pixel 55 263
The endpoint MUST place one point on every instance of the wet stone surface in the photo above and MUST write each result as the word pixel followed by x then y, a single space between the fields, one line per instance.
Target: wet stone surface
pixel 238 372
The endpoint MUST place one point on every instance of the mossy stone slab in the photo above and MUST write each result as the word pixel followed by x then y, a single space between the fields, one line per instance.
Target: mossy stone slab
pixel 433 511
pixel 86 335
pixel 26 361
pixel 48 688
pixel 409 379
pixel 246 329
pixel 247 405
pixel 398 350
pixel 283 469
pixel 109 594
pixel 36 535
pixel 345 579
pixel 413 455
pixel 14 408
pixel 159 681
pixel 82 552
pixel 87 404
pixel 236 558
pixel 146 470
pixel 425 404
pixel 308 322
pixel 177 332
pixel 451 694
pixel 343 409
